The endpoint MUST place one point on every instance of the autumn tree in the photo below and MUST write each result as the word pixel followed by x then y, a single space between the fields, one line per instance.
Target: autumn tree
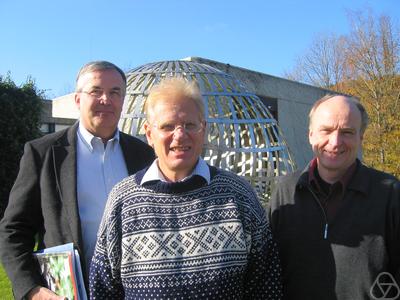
pixel 373 56
pixel 364 63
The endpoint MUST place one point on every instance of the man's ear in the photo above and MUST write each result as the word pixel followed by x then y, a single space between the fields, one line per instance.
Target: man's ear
pixel 310 135
pixel 77 98
pixel 147 129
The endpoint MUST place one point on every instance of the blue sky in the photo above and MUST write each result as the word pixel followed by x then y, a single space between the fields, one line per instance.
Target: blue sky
pixel 50 40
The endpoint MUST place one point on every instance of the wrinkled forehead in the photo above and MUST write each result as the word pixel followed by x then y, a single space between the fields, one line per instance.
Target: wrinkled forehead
pixel 107 78
pixel 170 103
pixel 340 112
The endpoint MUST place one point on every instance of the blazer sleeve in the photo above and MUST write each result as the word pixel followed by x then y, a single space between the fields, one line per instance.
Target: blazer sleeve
pixel 20 224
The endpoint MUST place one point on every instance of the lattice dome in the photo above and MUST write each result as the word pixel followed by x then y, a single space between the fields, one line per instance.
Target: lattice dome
pixel 242 136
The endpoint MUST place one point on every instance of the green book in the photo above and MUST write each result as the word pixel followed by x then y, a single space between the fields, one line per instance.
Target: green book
pixel 60 267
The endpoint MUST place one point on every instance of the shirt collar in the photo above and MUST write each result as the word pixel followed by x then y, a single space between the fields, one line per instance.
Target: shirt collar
pixel 153 172
pixel 88 138
pixel 312 178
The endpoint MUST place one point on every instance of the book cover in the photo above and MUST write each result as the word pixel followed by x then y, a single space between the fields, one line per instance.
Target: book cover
pixel 57 270
pixel 60 267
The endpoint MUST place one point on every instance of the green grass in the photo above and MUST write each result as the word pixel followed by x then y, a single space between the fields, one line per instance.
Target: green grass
pixel 5 286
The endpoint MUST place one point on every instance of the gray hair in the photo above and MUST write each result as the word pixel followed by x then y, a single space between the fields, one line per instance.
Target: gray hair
pixel 99 65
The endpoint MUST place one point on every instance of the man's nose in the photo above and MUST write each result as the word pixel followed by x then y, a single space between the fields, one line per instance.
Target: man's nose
pixel 105 98
pixel 335 138
pixel 179 131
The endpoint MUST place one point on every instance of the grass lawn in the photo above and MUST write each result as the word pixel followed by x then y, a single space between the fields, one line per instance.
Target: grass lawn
pixel 5 286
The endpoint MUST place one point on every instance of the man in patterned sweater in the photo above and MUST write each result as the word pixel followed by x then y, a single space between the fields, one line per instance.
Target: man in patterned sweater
pixel 182 229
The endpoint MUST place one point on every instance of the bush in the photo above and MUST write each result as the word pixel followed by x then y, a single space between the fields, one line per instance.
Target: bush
pixel 20 110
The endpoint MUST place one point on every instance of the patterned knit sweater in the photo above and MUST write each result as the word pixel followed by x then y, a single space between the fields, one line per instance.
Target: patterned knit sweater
pixel 185 240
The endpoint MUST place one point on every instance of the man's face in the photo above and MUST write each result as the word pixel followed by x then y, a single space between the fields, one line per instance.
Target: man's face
pixel 335 136
pixel 178 150
pixel 100 99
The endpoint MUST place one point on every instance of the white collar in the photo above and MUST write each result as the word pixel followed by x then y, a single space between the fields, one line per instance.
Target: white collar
pixel 154 173
pixel 88 137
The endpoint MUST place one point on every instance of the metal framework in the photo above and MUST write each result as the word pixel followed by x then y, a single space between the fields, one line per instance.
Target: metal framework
pixel 242 136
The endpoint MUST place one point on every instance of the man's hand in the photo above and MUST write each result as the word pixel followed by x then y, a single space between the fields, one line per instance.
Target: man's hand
pixel 42 293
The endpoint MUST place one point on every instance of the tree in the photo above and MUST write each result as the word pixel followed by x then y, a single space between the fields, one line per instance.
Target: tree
pixel 364 63
pixel 322 65
pixel 20 110
pixel 373 56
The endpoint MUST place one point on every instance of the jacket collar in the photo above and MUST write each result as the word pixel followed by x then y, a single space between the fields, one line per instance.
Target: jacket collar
pixel 360 181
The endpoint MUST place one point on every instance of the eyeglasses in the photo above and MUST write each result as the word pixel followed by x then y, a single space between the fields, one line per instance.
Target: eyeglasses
pixel 98 93
pixel 168 129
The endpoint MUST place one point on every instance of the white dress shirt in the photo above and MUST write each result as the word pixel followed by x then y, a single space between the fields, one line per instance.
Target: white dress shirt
pixel 99 167
pixel 154 173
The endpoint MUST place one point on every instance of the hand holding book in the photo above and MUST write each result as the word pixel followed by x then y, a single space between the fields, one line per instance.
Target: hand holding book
pixel 60 267
pixel 40 292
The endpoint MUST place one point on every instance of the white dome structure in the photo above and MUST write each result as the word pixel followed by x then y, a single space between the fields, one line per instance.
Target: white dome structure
pixel 242 136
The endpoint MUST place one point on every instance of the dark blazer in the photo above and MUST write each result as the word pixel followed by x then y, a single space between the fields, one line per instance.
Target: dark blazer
pixel 43 202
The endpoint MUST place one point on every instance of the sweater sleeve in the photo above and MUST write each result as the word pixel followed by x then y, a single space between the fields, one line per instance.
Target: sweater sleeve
pixel 263 274
pixel 105 280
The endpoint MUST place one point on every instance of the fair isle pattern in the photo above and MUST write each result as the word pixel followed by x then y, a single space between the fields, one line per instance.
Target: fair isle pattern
pixel 212 242
pixel 181 245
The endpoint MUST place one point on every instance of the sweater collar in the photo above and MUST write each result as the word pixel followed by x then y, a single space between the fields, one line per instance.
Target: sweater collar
pixel 191 184
pixel 153 173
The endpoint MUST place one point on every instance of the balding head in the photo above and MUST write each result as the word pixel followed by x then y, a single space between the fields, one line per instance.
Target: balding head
pixel 342 99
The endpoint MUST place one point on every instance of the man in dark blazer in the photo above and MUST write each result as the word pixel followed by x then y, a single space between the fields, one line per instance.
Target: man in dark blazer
pixel 45 204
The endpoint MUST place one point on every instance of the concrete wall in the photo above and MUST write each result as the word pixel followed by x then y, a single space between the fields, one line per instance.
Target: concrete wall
pixel 294 103
pixel 64 107
pixel 52 122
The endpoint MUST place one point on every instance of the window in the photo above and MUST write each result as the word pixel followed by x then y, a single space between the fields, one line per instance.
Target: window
pixel 271 104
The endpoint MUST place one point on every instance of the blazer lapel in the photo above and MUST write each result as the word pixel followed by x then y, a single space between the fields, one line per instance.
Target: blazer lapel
pixel 128 152
pixel 65 170
pixel 136 154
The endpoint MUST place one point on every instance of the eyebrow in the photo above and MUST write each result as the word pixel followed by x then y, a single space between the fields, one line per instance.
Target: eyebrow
pixel 95 87
pixel 348 129
pixel 324 127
